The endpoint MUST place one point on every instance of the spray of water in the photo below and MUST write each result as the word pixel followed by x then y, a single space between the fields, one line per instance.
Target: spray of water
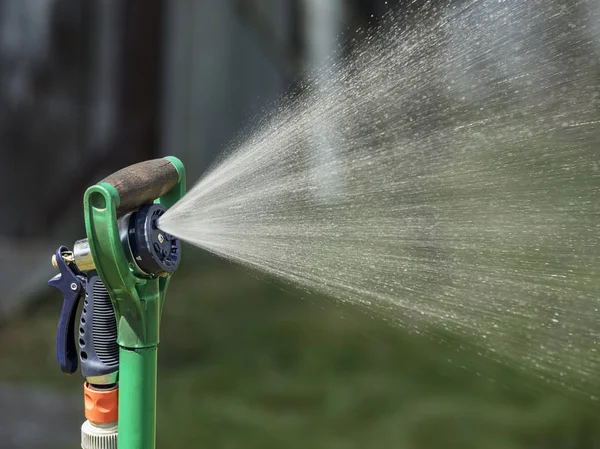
pixel 461 147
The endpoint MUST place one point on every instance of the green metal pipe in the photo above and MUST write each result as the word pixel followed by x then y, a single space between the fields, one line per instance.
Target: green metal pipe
pixel 137 398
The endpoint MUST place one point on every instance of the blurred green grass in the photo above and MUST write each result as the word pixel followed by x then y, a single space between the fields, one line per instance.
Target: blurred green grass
pixel 247 363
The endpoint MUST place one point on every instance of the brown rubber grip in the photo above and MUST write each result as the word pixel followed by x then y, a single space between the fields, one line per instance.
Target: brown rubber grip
pixel 143 182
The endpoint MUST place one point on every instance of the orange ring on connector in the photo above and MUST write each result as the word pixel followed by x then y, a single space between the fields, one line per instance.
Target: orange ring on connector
pixel 101 406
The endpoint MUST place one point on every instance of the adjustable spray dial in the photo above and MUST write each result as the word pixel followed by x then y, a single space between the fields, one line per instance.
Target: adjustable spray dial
pixel 152 251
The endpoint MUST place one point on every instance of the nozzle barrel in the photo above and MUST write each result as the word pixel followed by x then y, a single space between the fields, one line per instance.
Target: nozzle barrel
pixel 82 255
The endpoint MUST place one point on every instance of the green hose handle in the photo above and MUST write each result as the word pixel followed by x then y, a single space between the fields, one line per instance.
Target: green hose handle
pixel 137 298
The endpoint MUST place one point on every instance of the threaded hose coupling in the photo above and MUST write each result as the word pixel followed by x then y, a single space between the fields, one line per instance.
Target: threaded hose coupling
pixel 99 436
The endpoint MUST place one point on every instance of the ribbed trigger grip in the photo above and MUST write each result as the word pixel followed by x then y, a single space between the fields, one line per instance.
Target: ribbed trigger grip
pixel 70 282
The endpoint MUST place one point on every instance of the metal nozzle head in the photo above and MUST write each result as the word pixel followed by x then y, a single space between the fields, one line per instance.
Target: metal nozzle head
pixel 82 255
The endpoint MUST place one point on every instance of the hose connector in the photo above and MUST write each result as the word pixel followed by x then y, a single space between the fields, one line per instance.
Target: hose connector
pixel 100 430
pixel 99 436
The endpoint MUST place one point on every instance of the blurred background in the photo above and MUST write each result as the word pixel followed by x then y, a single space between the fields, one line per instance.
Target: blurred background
pixel 89 87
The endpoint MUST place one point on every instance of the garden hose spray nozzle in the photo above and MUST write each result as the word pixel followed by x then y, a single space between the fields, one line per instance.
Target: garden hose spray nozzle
pixel 121 272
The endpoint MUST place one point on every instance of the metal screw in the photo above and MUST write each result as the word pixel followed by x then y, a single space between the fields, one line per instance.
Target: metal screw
pixel 161 238
pixel 73 286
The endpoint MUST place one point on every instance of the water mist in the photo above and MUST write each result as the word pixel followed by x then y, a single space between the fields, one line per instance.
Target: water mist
pixel 463 145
